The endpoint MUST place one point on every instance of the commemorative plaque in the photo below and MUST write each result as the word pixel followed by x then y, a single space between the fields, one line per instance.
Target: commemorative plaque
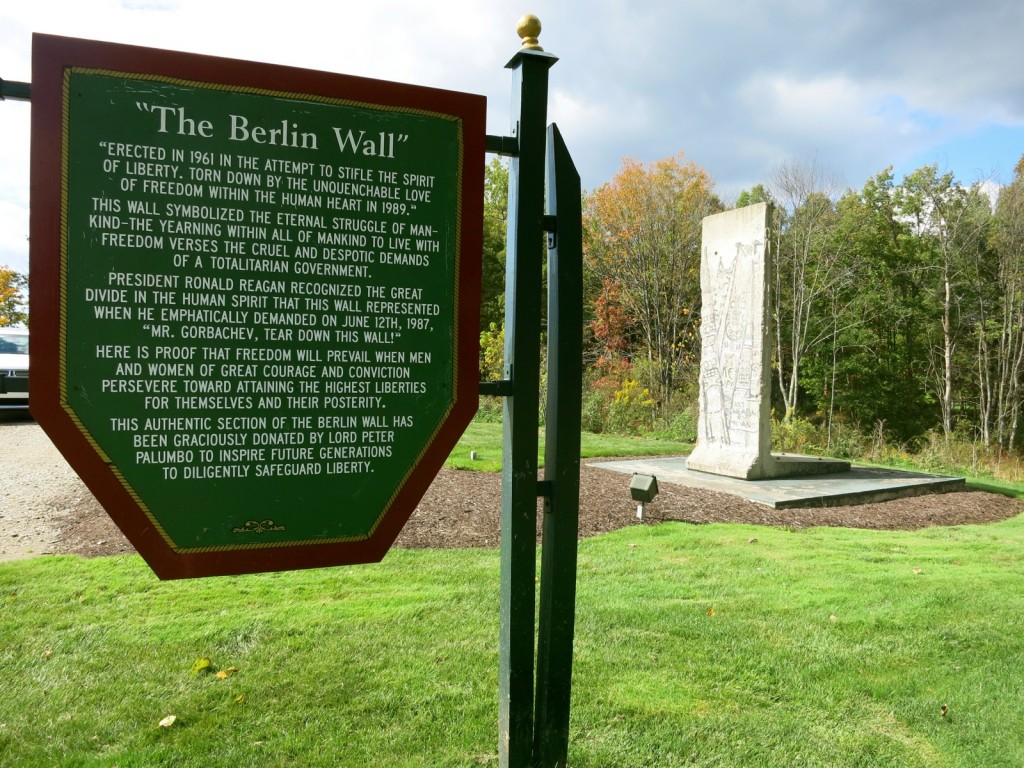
pixel 255 297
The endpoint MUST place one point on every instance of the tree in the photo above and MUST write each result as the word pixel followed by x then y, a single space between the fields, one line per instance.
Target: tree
pixel 810 270
pixel 13 301
pixel 871 370
pixel 950 223
pixel 609 324
pixel 756 194
pixel 643 233
pixel 492 289
pixel 1006 367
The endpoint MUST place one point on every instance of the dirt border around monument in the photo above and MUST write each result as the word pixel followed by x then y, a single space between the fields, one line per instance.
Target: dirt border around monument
pixel 463 509
pixel 45 508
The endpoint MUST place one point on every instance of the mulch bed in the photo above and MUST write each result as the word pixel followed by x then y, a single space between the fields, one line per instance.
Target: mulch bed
pixel 463 509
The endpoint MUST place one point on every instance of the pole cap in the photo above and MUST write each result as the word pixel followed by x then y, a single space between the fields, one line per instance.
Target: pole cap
pixel 528 28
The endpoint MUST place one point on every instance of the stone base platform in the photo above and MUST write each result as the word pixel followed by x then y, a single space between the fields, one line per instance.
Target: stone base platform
pixel 819 485
pixel 750 466
pixel 789 465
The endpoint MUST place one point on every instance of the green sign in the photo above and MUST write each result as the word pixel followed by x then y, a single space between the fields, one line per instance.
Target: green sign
pixel 260 301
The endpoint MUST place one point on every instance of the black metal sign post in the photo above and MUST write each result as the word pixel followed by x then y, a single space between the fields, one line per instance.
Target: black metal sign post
pixel 561 484
pixel 519 445
pixel 534 700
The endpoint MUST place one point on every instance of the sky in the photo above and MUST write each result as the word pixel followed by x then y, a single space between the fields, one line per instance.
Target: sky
pixel 739 87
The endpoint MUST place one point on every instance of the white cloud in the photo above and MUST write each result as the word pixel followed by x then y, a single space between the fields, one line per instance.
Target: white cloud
pixel 736 86
pixel 13 236
pixel 14 179
pixel 810 108
pixel 578 115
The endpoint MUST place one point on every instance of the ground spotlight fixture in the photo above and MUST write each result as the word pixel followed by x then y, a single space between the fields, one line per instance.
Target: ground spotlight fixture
pixel 643 488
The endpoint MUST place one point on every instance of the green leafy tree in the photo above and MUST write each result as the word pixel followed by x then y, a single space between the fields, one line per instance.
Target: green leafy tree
pixel 756 194
pixel 950 227
pixel 1004 365
pixel 811 270
pixel 871 370
pixel 492 289
pixel 492 353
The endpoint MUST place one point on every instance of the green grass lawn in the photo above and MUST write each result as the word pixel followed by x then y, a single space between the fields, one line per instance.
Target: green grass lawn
pixel 717 645
pixel 485 439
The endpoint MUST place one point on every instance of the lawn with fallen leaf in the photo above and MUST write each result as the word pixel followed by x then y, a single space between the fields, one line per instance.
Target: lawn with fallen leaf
pixel 696 645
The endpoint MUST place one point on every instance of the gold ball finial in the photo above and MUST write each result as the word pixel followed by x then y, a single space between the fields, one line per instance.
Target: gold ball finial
pixel 528 28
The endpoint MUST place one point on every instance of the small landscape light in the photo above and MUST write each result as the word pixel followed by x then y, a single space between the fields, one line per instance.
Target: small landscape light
pixel 643 488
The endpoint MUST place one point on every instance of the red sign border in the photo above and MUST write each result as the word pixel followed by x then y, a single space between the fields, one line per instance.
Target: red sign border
pixel 52 55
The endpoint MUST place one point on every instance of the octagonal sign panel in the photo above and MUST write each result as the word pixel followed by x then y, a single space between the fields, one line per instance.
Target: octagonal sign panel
pixel 255 299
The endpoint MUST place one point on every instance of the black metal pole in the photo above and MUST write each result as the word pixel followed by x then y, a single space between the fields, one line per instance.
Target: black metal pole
pixel 524 254
pixel 561 458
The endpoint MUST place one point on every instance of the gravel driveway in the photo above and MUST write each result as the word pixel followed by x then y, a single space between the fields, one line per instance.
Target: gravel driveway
pixel 38 490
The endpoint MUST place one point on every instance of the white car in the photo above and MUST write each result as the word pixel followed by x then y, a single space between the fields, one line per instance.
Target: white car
pixel 13 367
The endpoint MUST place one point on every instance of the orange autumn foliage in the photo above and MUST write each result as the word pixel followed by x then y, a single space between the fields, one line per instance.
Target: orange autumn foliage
pixel 642 240
pixel 13 303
